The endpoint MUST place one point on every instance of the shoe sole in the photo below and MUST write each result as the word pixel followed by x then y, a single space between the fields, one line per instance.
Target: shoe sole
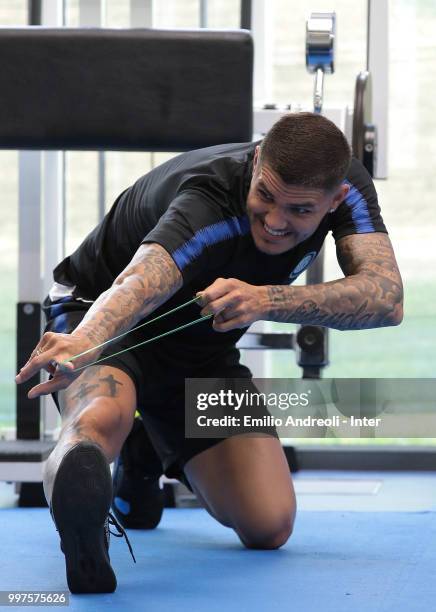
pixel 81 499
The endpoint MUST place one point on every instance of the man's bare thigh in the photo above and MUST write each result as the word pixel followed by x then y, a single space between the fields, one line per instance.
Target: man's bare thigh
pixel 101 381
pixel 245 474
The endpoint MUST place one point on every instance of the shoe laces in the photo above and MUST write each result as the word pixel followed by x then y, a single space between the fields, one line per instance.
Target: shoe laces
pixel 111 520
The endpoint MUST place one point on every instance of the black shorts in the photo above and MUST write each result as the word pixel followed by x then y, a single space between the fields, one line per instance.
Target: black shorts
pixel 158 373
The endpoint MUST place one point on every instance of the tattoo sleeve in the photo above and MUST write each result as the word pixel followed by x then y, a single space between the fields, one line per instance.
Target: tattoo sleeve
pixel 148 281
pixel 370 295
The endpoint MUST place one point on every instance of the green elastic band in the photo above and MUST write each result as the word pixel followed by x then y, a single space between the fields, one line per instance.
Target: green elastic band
pixel 131 330
pixel 172 331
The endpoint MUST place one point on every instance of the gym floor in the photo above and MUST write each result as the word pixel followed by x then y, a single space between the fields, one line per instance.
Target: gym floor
pixel 362 541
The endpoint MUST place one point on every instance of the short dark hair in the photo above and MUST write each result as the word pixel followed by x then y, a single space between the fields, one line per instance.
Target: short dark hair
pixel 307 149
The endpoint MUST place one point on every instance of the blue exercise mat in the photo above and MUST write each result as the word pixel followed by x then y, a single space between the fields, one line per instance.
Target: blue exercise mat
pixel 334 561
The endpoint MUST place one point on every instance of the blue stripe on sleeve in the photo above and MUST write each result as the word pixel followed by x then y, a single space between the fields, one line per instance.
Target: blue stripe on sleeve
pixel 208 236
pixel 58 316
pixel 60 323
pixel 56 310
pixel 359 210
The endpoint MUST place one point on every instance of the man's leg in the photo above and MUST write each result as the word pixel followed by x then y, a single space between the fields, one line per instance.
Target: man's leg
pixel 245 483
pixel 99 406
pixel 97 413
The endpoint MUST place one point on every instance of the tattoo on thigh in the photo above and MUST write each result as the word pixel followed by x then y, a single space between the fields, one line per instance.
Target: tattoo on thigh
pixel 112 382
pixel 78 394
pixel 84 389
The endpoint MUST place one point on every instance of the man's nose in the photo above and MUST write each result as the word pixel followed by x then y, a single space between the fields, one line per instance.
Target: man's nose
pixel 275 219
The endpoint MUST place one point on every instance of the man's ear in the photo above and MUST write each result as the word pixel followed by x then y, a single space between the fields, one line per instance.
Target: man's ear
pixel 340 195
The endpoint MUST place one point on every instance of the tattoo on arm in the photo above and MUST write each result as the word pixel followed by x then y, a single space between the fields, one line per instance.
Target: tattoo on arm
pixel 147 282
pixel 370 296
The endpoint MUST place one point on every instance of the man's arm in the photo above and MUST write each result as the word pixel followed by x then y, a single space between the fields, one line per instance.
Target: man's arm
pixel 148 281
pixel 370 295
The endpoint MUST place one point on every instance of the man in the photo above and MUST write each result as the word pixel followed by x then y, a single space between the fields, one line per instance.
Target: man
pixel 235 224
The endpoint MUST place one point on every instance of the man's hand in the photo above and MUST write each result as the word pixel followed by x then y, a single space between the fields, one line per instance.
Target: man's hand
pixel 233 303
pixel 49 354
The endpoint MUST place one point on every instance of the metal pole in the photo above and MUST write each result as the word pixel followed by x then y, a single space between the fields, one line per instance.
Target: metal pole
pixel 377 63
pixel 246 14
pixel 141 13
pixel 93 13
pixel 53 163
pixel 203 13
pixel 34 12
pixel 29 285
pixel 262 30
pixel 29 271
pixel 262 18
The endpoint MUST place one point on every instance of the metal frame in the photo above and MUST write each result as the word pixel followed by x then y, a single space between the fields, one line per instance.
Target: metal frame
pixel 28 412
pixel 93 13
pixel 39 172
pixel 378 66
pixel 245 14
pixel 141 13
pixel 261 21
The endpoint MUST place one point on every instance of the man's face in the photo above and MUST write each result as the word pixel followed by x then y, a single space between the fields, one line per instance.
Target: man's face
pixel 281 215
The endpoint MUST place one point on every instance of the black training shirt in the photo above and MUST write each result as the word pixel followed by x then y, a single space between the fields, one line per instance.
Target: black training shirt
pixel 194 206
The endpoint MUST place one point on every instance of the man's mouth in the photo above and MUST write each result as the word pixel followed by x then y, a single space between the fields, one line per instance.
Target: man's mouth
pixel 272 232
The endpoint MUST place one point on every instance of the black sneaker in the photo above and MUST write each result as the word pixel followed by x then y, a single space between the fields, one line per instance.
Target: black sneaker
pixel 80 502
pixel 137 499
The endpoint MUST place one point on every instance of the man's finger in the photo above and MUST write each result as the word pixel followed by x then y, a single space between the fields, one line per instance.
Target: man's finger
pixel 220 324
pixel 220 287
pixel 218 305
pixel 65 368
pixel 37 363
pixel 50 386
pixel 35 353
pixel 227 314
pixel 31 368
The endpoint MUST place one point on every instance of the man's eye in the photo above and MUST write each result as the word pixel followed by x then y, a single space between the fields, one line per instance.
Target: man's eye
pixel 264 195
pixel 299 211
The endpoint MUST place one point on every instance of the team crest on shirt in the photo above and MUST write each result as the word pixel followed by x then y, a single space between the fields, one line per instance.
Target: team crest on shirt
pixel 302 265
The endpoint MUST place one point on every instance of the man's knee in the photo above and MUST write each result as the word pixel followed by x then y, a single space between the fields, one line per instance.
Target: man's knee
pixel 269 532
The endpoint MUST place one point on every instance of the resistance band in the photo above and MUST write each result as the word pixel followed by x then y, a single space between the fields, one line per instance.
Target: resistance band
pixel 171 331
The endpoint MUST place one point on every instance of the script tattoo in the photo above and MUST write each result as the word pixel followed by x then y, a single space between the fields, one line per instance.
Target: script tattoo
pixel 371 294
pixel 147 282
